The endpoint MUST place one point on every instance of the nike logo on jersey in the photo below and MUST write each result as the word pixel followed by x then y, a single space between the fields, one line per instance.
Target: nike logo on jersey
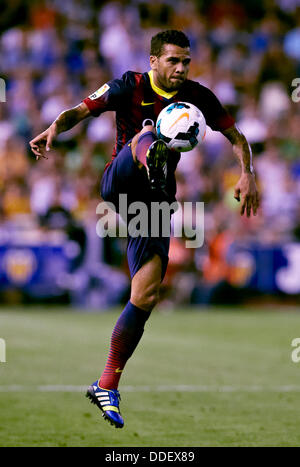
pixel 147 103
pixel 118 370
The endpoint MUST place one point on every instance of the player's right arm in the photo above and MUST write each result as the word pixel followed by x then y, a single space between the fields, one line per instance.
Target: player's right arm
pixel 65 121
pixel 110 96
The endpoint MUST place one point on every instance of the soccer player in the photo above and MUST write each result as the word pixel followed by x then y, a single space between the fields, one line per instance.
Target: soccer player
pixel 138 168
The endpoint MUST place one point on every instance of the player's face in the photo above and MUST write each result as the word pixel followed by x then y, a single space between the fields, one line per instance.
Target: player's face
pixel 170 70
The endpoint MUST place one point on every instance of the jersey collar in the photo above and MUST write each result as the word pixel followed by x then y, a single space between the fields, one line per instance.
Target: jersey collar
pixel 160 92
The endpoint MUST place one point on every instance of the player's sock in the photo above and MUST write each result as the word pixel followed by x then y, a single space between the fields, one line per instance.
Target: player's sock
pixel 125 337
pixel 143 144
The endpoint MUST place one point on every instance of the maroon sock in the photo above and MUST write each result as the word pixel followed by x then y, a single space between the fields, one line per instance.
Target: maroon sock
pixel 125 337
pixel 144 141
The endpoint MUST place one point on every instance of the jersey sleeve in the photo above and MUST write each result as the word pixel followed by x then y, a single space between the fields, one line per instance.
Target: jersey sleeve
pixel 215 114
pixel 108 97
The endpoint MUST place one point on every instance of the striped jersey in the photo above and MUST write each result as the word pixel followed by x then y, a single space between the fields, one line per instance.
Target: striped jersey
pixel 137 100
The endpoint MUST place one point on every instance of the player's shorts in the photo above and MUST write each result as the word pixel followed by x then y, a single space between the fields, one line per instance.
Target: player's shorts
pixel 123 176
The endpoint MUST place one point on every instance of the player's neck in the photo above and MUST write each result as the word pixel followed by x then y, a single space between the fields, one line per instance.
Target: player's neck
pixel 158 89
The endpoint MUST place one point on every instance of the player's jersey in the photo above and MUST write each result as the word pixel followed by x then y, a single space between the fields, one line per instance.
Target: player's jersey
pixel 135 99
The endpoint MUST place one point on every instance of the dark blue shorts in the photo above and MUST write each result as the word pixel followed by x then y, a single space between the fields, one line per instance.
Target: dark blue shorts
pixel 123 176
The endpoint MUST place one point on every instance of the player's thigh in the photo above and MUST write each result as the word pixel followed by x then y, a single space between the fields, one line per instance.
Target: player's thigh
pixel 146 282
pixel 122 176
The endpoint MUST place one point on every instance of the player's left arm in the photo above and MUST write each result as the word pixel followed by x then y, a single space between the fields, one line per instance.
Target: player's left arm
pixel 245 189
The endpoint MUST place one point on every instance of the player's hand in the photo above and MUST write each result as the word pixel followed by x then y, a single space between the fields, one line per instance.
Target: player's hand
pixel 43 142
pixel 246 191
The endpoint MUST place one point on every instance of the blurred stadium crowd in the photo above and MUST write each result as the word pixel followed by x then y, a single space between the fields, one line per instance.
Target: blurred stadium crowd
pixel 53 54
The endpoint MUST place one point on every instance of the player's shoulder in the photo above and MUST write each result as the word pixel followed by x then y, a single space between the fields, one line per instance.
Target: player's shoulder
pixel 132 79
pixel 195 86
pixel 124 87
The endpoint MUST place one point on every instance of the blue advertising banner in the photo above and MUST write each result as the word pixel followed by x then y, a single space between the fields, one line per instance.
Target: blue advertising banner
pixel 267 269
pixel 35 270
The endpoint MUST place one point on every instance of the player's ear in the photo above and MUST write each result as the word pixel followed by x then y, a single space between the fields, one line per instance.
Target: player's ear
pixel 153 62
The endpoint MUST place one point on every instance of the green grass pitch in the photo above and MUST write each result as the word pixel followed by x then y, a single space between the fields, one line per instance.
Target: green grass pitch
pixel 242 387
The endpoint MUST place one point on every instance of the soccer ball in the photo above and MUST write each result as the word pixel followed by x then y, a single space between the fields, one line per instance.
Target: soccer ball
pixel 181 126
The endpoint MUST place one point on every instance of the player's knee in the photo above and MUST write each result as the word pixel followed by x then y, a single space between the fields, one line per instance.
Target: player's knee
pixel 150 301
pixel 146 299
pixel 144 130
pixel 147 128
pixel 136 140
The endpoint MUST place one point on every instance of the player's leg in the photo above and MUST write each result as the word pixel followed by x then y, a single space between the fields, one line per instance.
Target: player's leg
pixel 127 175
pixel 151 153
pixel 125 337
pixel 145 284
pixel 139 170
pixel 123 176
pixel 130 325
pixel 140 144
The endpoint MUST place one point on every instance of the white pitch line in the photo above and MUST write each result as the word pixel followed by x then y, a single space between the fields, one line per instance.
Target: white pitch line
pixel 160 388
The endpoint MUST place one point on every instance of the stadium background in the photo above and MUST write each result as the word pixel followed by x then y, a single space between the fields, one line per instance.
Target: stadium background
pixel 52 55
pixel 222 377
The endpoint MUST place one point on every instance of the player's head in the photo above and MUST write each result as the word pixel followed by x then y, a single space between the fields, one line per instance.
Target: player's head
pixel 170 59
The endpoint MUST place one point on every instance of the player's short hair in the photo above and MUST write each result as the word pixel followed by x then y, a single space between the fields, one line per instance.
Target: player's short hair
pixel 172 36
